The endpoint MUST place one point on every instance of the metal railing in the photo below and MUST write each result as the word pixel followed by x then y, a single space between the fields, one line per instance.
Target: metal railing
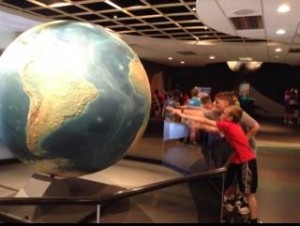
pixel 109 198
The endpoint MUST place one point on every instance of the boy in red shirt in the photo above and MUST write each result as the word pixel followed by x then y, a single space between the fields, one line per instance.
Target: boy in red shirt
pixel 243 162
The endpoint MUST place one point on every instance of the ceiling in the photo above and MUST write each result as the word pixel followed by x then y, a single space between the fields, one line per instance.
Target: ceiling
pixel 198 32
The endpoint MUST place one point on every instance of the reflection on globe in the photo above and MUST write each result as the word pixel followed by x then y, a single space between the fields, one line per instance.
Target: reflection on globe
pixel 74 98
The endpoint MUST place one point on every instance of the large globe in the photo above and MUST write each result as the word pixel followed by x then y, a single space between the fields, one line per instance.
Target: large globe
pixel 74 98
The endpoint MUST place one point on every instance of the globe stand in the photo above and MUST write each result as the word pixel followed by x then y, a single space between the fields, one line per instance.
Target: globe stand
pixel 45 186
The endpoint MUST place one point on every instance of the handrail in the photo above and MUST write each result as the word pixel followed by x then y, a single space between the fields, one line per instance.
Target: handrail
pixel 110 197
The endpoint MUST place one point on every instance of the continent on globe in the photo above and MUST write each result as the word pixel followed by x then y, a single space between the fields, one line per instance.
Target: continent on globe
pixel 74 98
pixel 48 108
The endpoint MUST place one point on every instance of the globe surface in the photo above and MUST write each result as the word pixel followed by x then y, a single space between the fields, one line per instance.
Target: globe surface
pixel 74 98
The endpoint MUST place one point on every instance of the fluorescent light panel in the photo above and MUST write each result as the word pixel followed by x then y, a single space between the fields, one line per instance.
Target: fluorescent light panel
pixel 50 3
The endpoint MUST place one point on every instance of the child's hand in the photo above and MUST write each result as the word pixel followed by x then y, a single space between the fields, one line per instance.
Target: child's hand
pixel 173 110
pixel 170 109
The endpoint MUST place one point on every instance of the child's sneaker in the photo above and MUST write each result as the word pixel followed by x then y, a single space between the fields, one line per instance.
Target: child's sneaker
pixel 243 210
pixel 242 205
pixel 229 204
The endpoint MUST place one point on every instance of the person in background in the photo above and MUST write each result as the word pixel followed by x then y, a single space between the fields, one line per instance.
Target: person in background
pixel 206 103
pixel 243 162
pixel 184 97
pixel 235 98
pixel 298 108
pixel 287 118
pixel 293 105
pixel 206 106
pixel 172 102
pixel 157 104
pixel 195 99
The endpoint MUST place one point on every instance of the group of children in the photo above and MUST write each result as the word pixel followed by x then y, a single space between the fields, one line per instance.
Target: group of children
pixel 229 121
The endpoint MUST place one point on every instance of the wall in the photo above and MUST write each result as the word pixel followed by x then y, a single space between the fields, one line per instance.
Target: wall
pixel 6 39
pixel 158 75
pixel 217 76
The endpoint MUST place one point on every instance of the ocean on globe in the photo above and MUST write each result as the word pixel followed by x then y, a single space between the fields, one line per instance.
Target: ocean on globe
pixel 74 98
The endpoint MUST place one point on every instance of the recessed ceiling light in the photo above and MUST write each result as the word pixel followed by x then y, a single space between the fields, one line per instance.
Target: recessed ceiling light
pixel 280 32
pixel 283 8
pixel 182 62
pixel 170 58
pixel 212 57
pixel 278 50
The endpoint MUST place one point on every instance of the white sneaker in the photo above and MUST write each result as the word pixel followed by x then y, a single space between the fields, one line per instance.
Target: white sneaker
pixel 229 204
pixel 243 210
pixel 242 205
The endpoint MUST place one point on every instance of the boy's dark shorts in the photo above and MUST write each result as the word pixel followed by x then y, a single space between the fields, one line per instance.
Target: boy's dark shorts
pixel 246 175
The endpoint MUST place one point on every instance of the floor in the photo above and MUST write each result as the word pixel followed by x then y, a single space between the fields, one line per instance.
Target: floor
pixel 278 162
pixel 279 173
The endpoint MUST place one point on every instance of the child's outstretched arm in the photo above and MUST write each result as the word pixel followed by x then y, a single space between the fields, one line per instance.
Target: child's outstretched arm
pixel 206 124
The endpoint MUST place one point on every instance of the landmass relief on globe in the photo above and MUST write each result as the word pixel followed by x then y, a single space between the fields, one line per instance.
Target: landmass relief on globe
pixel 74 98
